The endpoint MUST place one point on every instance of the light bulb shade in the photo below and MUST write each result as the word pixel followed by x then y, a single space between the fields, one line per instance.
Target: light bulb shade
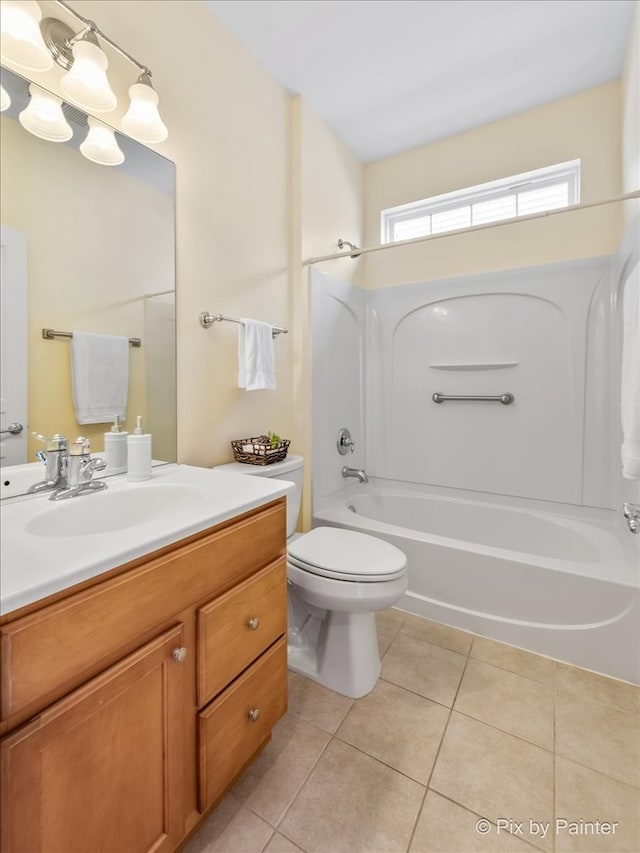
pixel 43 116
pixel 21 42
pixel 5 100
pixel 86 83
pixel 142 120
pixel 100 146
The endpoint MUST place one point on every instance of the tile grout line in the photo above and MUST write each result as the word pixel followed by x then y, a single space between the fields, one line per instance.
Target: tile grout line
pixel 297 790
pixel 437 755
pixel 520 839
pixel 555 661
pixel 301 786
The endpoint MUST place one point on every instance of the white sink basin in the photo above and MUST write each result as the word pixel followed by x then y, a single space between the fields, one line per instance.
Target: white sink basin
pixel 48 546
pixel 111 511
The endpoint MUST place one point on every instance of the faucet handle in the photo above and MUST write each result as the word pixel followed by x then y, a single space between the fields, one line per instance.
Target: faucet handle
pixel 56 442
pixel 80 447
pixel 344 442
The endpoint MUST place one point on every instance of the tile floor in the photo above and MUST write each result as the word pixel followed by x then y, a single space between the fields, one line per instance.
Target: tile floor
pixel 464 745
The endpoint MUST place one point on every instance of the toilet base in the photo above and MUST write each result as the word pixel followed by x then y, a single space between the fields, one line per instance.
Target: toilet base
pixel 338 650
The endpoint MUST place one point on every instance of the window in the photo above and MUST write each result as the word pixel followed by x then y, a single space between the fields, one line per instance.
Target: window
pixel 519 195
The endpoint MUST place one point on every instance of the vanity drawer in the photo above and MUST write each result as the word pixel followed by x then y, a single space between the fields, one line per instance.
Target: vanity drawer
pixel 228 735
pixel 49 652
pixel 238 626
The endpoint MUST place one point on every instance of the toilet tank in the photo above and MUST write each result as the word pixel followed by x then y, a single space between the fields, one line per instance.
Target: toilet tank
pixel 291 469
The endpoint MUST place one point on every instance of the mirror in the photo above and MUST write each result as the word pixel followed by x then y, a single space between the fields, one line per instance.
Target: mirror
pixel 100 257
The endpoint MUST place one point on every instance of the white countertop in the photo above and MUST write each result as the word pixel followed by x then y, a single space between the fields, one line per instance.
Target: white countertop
pixel 37 564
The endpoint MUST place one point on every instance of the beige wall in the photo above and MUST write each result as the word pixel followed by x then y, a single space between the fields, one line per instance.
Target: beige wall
pixel 228 136
pixel 261 183
pixel 84 272
pixel 326 204
pixel 585 126
pixel 631 109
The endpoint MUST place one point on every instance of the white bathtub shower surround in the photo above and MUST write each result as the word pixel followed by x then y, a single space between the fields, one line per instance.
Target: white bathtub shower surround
pixel 338 356
pixel 561 581
pixel 544 334
pixel 630 387
pixel 541 334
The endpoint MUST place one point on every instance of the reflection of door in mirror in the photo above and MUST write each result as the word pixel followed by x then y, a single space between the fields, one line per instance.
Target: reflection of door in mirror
pixel 13 341
pixel 101 240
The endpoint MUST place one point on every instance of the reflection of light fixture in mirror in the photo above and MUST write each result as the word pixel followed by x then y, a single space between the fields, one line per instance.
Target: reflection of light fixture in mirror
pixel 86 82
pixel 100 146
pixel 142 120
pixel 21 42
pixel 43 116
pixel 5 100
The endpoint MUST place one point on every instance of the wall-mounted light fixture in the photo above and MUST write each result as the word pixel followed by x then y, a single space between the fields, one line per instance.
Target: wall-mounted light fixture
pixel 43 116
pixel 21 40
pixel 29 43
pixel 100 146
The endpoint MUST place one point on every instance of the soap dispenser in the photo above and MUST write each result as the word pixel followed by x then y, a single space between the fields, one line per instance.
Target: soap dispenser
pixel 138 454
pixel 115 448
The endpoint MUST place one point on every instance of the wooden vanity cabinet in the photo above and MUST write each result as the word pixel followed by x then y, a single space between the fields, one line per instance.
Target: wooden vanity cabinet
pixel 129 706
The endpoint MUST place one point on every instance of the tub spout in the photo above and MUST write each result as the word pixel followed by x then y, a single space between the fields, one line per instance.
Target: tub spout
pixel 360 473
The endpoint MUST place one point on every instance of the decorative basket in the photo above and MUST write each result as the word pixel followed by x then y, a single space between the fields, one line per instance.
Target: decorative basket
pixel 259 451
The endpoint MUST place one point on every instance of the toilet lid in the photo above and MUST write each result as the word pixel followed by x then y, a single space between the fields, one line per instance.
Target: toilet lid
pixel 347 555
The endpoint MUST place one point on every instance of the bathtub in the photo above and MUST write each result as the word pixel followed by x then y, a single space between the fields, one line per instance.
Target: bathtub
pixel 555 579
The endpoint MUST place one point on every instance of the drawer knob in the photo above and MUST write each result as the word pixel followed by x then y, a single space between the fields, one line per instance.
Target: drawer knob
pixel 179 655
pixel 254 623
pixel 254 715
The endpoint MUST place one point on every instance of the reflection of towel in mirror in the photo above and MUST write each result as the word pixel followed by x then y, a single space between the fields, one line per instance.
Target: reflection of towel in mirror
pixel 99 377
pixel 256 362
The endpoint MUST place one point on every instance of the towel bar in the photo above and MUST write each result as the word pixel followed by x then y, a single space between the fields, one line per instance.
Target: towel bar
pixel 50 334
pixel 208 319
pixel 505 399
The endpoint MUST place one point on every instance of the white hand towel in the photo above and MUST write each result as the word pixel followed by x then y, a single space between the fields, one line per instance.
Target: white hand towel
pixel 630 389
pixel 256 361
pixel 99 377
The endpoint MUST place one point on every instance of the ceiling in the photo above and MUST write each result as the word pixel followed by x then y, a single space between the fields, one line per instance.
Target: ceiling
pixel 389 75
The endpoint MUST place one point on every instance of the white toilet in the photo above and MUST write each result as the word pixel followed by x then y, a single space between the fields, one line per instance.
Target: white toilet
pixel 337 579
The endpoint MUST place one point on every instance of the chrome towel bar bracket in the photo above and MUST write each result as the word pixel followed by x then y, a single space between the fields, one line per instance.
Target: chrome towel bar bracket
pixel 505 399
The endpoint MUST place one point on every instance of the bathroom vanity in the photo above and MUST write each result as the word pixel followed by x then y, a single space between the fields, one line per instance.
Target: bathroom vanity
pixel 132 699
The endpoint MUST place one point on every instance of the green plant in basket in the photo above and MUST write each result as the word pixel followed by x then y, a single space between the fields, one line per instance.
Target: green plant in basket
pixel 274 439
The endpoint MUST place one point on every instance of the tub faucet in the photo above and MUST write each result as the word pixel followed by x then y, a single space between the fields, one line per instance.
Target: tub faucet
pixel 632 514
pixel 360 473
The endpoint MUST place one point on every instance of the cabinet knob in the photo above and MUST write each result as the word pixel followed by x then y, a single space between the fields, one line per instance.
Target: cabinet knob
pixel 254 715
pixel 254 623
pixel 179 655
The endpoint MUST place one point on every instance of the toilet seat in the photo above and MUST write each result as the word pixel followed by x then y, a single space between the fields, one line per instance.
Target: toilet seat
pixel 345 555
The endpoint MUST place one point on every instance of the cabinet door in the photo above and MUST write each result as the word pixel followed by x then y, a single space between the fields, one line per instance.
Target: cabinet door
pixel 101 770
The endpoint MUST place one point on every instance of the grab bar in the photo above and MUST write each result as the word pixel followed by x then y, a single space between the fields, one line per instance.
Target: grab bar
pixel 505 399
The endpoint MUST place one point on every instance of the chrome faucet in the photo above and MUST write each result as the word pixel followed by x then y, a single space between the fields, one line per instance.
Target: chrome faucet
pixel 80 470
pixel 632 514
pixel 360 473
pixel 55 459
